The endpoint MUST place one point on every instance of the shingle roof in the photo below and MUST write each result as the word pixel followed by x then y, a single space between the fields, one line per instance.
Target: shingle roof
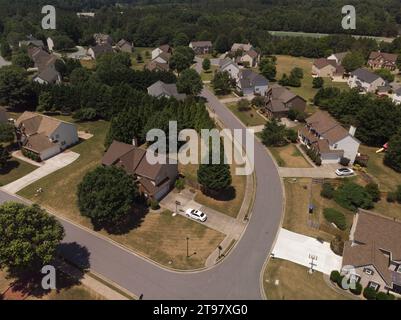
pixel 36 123
pixel 41 58
pixel 39 142
pixel 365 75
pixel 201 44
pixel 241 46
pixel 374 236
pixel 123 42
pixel 323 62
pixel 390 57
pixel 49 74
pixel 327 126
pixel 279 97
pixel 250 79
pixel 160 88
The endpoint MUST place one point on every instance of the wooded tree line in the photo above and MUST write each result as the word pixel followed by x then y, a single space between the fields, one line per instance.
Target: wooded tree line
pixel 223 22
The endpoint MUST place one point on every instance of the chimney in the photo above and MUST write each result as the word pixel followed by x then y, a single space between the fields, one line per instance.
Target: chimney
pixel 135 142
pixel 352 131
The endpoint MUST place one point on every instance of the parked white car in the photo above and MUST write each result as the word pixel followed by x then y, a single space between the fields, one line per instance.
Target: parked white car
pixel 343 172
pixel 196 215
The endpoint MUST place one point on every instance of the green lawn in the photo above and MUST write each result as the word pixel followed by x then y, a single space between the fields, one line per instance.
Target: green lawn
pixel 249 118
pixel 286 63
pixel 142 51
pixel 14 170
pixel 208 75
pixel 289 156
pixel 285 280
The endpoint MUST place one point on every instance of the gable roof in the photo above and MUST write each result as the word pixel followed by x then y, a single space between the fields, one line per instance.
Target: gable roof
pixel 280 96
pixel 223 63
pixel 365 75
pixel 49 75
pixel 374 237
pixel 164 48
pixel 160 88
pixel 252 53
pixel 340 55
pixel 158 66
pixel 201 44
pixel 33 123
pixel 327 127
pixel 123 43
pixel 31 41
pixel 323 62
pixel 241 46
pixel 41 58
pixel 389 57
pixel 250 79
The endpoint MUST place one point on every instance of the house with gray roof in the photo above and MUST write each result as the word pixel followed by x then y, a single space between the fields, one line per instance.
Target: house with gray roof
pixel 228 65
pixel 31 41
pixel 154 180
pixel 201 47
pixel 365 80
pixel 168 90
pixel 124 46
pixel 279 101
pixel 47 76
pixel 96 51
pixel 250 82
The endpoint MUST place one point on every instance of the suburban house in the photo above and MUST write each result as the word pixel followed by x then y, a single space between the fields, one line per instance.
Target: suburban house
pixel 201 47
pixel 372 255
pixel 96 51
pixel 163 48
pixel 365 80
pixel 279 101
pixel 379 60
pixel 44 65
pixel 154 180
pixel 397 96
pixel 124 46
pixel 157 66
pixel 329 139
pixel 326 68
pixel 229 66
pixel 4 116
pixel 248 56
pixel 163 57
pixel 337 57
pixel 31 41
pixel 101 38
pixel 168 90
pixel 44 136
pixel 250 82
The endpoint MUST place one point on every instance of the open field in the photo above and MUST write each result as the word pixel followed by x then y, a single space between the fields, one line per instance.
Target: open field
pixel 14 170
pixel 286 63
pixel 289 156
pixel 285 280
pixel 249 117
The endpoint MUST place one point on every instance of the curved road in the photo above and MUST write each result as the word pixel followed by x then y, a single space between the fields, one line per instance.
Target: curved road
pixel 237 277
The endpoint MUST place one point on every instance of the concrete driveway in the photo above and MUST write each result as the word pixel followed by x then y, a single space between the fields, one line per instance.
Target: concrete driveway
pixel 51 165
pixel 301 249
pixel 215 220
pixel 326 171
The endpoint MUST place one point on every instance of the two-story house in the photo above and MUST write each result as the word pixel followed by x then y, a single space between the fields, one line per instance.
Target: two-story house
pixel 167 90
pixel 279 101
pixel 228 65
pixel 154 180
pixel 250 82
pixel 365 80
pixel 327 68
pixel 201 47
pixel 382 60
pixel 245 54
pixel 44 136
pixel 329 139
pixel 372 256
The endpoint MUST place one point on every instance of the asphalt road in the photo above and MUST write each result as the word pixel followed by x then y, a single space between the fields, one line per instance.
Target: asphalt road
pixel 237 277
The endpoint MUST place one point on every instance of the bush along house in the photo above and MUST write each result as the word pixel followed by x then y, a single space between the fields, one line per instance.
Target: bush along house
pixel 328 140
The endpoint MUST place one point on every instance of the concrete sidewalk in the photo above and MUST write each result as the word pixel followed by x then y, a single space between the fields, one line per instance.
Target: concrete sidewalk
pixel 51 165
pixel 305 250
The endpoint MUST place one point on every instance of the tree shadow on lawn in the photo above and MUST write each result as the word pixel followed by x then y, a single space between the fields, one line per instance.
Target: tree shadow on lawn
pixel 133 221
pixel 30 283
pixel 223 195
pixel 10 165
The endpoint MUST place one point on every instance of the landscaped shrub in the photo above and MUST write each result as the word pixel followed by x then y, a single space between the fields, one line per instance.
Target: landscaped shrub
pixel 337 245
pixel 369 293
pixel 313 155
pixel 391 197
pixel 384 296
pixel 180 184
pixel 327 191
pixel 31 155
pixel 85 114
pixel 292 135
pixel 373 189
pixel 353 196
pixel 344 161
pixel 357 290
pixel 335 276
pixel 154 204
pixel 336 217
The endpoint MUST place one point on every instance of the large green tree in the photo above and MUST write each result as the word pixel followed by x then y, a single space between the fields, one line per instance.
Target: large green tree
pixel 28 237
pixel 22 60
pixel 274 134
pixel 190 82
pixel 222 83
pixel 106 195
pixel 392 157
pixel 182 58
pixel 7 133
pixel 268 68
pixel 353 61
pixel 353 196
pixel 15 89
pixel 4 157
